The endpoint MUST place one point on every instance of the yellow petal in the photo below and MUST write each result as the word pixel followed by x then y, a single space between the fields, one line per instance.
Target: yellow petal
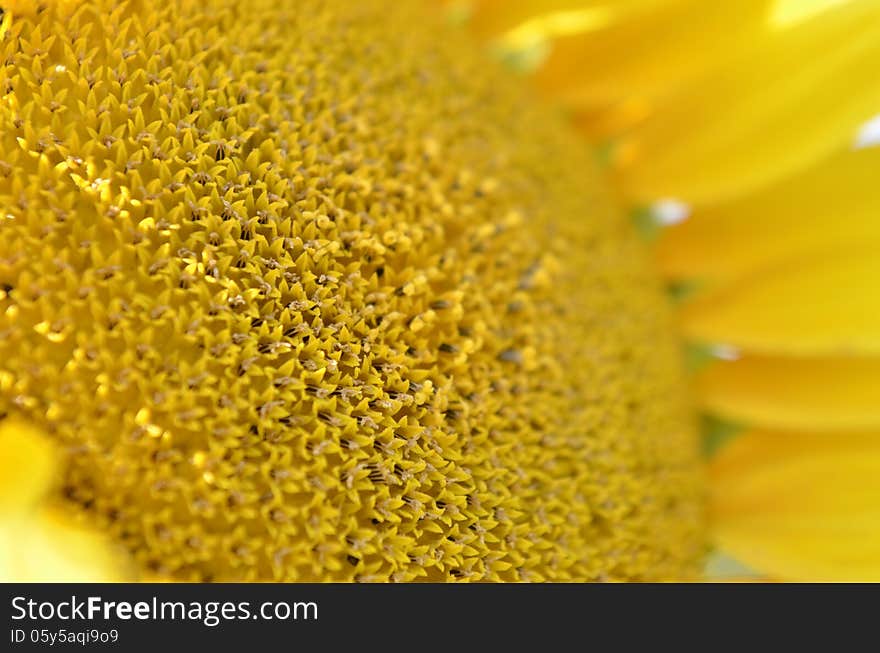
pixel 602 57
pixel 798 95
pixel 601 124
pixel 816 307
pixel 792 393
pixel 800 506
pixel 646 53
pixel 39 541
pixel 830 207
pixel 51 547
pixel 492 18
pixel 27 465
pixel 790 12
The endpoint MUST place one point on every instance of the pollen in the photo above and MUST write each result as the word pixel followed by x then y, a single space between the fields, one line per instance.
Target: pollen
pixel 312 291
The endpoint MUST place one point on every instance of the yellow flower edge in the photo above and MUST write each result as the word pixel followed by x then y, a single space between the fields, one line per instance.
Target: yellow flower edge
pixel 41 541
pixel 749 131
pixel 306 293
pixel 802 505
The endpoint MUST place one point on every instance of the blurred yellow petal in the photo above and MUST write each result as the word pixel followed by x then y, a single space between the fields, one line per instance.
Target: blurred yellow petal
pixel 599 57
pixel 647 53
pixel 50 547
pixel 786 13
pixel 27 465
pixel 733 104
pixel 797 96
pixel 829 207
pixel 800 506
pixel 816 307
pixel 493 18
pixel 792 393
pixel 601 124
pixel 39 541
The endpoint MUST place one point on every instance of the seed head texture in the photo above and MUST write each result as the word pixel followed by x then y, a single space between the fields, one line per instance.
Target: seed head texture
pixel 312 291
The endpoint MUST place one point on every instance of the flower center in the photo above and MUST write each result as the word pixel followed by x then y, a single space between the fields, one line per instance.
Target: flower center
pixel 310 293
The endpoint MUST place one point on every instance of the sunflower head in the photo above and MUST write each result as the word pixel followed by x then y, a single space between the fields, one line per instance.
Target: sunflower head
pixel 305 292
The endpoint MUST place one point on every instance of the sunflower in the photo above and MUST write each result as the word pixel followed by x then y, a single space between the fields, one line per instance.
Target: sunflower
pixel 298 292
pixel 295 292
pixel 743 136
